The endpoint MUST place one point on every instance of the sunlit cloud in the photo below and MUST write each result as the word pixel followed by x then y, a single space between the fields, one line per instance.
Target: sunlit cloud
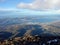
pixel 41 5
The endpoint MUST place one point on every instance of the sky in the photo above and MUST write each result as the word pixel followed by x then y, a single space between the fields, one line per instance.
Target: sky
pixel 33 7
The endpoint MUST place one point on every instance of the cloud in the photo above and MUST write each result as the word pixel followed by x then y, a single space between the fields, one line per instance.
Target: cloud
pixel 8 9
pixel 41 5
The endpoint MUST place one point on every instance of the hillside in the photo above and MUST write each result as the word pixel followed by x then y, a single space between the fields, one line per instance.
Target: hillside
pixel 16 27
pixel 53 28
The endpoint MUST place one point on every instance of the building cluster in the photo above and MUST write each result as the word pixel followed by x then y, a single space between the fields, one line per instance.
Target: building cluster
pixel 30 40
